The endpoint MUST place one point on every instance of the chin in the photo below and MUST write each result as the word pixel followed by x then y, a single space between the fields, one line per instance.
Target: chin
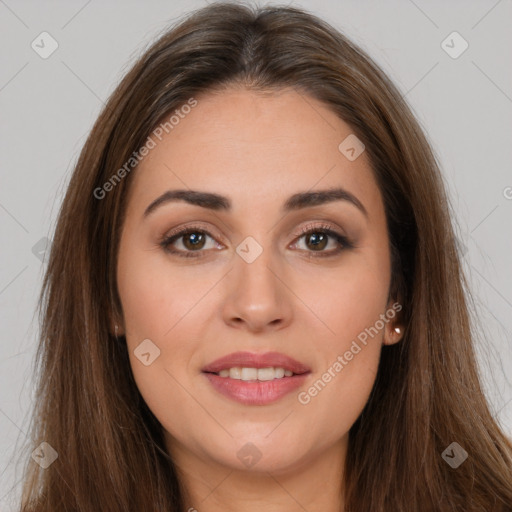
pixel 261 455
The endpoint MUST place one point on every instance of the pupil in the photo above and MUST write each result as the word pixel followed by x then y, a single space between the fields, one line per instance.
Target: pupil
pixel 194 239
pixel 318 238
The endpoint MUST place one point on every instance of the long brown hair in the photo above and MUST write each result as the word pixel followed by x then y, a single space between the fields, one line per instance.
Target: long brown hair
pixel 427 394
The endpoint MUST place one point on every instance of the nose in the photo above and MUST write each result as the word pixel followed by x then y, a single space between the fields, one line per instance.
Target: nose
pixel 258 298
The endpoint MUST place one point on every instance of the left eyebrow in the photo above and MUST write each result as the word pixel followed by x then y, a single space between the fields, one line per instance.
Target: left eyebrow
pixel 217 202
pixel 318 197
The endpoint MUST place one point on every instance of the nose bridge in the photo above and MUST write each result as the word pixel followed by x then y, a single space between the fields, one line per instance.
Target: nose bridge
pixel 257 295
pixel 253 263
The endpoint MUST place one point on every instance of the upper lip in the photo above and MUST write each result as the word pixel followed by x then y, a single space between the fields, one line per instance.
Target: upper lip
pixel 251 360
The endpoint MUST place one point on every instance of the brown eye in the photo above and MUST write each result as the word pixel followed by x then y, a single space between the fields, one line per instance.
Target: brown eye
pixel 193 240
pixel 318 240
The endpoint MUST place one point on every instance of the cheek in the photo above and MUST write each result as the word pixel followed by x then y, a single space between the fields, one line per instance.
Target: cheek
pixel 155 308
pixel 350 304
pixel 346 300
pixel 154 300
pixel 155 296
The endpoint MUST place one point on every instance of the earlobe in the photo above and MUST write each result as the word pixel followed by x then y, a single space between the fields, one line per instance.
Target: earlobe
pixel 118 331
pixel 393 335
pixel 115 328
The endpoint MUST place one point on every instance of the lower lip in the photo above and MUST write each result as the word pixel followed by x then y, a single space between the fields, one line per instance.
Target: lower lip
pixel 255 393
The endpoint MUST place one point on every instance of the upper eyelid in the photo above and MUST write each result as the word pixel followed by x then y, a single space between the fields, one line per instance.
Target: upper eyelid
pixel 183 230
pixel 334 233
pixel 322 225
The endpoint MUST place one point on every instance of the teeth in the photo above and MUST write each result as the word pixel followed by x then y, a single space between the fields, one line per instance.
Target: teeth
pixel 249 374
pixel 255 373
pixel 235 373
pixel 264 373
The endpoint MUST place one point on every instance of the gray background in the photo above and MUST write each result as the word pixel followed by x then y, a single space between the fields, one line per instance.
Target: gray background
pixel 49 105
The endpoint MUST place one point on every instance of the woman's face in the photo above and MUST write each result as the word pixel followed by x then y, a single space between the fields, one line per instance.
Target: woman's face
pixel 245 279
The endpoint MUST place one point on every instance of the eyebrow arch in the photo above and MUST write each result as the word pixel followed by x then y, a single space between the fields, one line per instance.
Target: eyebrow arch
pixel 217 202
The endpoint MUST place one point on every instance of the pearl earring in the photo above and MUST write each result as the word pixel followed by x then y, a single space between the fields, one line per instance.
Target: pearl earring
pixel 116 327
pixel 397 330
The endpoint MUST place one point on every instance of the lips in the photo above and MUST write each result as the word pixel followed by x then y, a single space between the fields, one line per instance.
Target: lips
pixel 251 360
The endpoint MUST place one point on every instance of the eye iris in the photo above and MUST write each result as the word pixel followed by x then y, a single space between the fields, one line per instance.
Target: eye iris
pixel 319 240
pixel 195 239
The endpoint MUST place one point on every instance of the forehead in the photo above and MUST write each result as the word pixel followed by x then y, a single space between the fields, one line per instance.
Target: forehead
pixel 256 148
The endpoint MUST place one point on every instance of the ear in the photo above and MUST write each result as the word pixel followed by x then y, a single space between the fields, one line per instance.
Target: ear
pixel 394 328
pixel 393 333
pixel 116 325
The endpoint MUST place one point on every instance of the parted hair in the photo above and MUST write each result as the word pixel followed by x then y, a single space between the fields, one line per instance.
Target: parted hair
pixel 427 393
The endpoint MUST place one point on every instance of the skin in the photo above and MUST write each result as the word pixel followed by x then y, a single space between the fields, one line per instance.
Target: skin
pixel 257 149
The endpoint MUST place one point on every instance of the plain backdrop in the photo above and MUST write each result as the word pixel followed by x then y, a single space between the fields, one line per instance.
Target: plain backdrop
pixel 463 100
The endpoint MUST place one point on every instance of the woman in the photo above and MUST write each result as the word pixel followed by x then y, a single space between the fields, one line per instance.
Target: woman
pixel 254 297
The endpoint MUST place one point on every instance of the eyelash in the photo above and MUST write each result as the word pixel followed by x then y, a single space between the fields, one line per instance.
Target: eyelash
pixel 166 241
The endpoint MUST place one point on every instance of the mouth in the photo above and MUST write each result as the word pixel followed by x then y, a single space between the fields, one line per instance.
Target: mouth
pixel 253 366
pixel 256 379
pixel 251 374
